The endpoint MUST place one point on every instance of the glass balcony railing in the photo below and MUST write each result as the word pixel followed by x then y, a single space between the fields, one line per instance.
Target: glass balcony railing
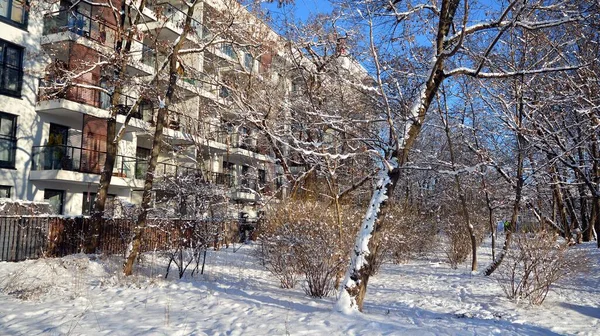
pixel 77 159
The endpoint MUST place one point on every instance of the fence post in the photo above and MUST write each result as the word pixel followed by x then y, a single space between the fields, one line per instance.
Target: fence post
pixel 18 242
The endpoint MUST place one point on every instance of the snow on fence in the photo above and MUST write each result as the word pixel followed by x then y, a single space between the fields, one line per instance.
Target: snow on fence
pixel 31 237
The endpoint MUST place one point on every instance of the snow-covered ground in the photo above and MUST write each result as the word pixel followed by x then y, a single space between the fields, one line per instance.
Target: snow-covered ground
pixel 79 296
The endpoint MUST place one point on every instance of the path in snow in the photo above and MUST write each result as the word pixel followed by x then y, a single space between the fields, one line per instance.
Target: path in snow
pixel 78 296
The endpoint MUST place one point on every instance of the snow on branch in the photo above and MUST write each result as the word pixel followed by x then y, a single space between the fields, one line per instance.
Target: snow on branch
pixel 477 74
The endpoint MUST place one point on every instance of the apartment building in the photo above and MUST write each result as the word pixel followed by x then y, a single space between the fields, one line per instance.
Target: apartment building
pixel 53 130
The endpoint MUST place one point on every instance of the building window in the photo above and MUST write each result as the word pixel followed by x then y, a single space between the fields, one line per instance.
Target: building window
pixel 56 199
pixel 224 92
pixel 227 49
pixel 11 69
pixel 248 61
pixel 89 199
pixel 8 141
pixel 4 192
pixel 13 12
pixel 145 110
pixel 88 203
pixel 142 155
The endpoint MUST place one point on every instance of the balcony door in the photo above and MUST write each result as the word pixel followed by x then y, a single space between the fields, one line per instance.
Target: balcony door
pixel 56 154
pixel 141 163
pixel 8 140
pixel 105 99
pixel 56 200
pixel 93 152
pixel 78 19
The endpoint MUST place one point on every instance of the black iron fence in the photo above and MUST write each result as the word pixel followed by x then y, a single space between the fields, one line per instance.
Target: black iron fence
pixel 33 237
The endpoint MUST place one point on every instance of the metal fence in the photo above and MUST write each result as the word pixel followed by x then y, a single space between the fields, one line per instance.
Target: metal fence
pixel 31 237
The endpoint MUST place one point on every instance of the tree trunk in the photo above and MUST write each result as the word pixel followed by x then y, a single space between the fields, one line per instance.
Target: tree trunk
pixel 508 231
pixel 157 144
pixel 596 196
pixel 366 246
pixel 147 195
pixel 122 47
pixel 357 274
pixel 459 187
pixel 560 203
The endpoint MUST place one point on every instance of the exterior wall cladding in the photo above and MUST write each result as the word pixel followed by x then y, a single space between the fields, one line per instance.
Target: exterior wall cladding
pixel 52 145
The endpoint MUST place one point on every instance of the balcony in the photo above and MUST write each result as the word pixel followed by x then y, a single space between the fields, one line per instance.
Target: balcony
pixel 74 101
pixel 82 160
pixel 93 32
pixel 80 24
pixel 221 179
pixel 80 165
pixel 247 189
pixel 169 169
pixel 173 19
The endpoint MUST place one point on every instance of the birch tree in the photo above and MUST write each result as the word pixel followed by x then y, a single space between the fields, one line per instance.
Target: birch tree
pixel 465 41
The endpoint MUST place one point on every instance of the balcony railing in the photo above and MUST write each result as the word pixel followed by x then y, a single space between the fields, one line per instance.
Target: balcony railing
pixel 177 17
pixel 145 111
pixel 59 157
pixel 83 160
pixel 95 97
pixel 225 180
pixel 169 169
pixel 80 24
pixel 95 29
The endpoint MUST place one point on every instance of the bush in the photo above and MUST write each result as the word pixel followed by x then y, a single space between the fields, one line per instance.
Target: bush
pixel 305 239
pixel 533 264
pixel 459 244
pixel 277 255
pixel 405 235
pixel 452 221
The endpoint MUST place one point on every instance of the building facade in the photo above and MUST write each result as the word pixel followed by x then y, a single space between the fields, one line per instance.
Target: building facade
pixel 55 98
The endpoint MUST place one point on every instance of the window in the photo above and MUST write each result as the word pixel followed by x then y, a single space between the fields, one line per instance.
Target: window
pixel 4 192
pixel 8 141
pixel 262 177
pixel 145 110
pixel 13 12
pixel 248 61
pixel 11 69
pixel 141 162
pixel 224 92
pixel 89 199
pixel 56 199
pixel 88 203
pixel 228 167
pixel 227 49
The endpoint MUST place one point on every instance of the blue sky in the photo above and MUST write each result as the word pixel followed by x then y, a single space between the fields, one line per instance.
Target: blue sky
pixel 302 9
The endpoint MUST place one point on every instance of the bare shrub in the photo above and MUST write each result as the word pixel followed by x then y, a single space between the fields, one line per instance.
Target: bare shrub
pixel 459 244
pixel 277 255
pixel 534 263
pixel 199 206
pixel 305 238
pixel 406 234
pixel 455 229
